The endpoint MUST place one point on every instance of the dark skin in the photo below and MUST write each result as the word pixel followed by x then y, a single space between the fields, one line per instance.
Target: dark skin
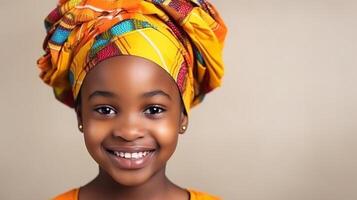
pixel 130 102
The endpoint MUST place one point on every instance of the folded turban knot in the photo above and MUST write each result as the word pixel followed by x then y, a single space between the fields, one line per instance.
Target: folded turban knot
pixel 183 37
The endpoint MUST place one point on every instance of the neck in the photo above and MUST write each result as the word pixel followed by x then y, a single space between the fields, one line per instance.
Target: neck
pixel 157 187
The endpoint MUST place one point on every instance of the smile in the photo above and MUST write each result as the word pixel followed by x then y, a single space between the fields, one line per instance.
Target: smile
pixel 130 155
pixel 130 159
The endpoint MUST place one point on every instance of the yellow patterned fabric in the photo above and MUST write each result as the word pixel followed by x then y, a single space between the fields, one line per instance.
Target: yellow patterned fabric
pixel 185 38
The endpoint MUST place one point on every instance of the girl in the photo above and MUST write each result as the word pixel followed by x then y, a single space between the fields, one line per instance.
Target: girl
pixel 132 70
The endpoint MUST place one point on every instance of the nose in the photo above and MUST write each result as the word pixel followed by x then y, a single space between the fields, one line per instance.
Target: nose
pixel 128 127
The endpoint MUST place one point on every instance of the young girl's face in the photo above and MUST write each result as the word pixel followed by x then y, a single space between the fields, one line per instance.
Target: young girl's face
pixel 131 114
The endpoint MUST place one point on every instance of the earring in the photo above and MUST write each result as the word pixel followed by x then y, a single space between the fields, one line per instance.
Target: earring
pixel 183 129
pixel 80 127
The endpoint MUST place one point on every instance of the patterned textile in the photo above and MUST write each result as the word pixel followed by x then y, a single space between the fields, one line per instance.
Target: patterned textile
pixel 183 37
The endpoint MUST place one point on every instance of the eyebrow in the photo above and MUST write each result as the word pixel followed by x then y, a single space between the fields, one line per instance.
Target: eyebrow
pixel 112 95
pixel 155 92
pixel 102 94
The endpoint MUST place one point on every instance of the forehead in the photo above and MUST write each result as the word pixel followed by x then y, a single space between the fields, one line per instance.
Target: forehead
pixel 128 75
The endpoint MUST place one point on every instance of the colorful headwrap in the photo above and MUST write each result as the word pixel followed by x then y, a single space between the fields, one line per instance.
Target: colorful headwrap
pixel 183 37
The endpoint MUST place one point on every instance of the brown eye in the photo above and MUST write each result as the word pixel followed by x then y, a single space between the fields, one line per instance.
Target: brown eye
pixel 153 110
pixel 106 110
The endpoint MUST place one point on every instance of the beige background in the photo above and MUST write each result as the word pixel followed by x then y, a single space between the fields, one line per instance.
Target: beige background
pixel 283 126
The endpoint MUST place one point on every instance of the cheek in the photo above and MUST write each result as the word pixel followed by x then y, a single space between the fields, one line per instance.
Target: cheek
pixel 94 130
pixel 166 135
pixel 94 135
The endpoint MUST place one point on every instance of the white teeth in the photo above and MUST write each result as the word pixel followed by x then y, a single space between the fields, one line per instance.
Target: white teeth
pixel 134 155
pixel 127 155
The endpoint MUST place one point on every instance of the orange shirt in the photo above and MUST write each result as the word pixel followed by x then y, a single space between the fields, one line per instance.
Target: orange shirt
pixel 195 195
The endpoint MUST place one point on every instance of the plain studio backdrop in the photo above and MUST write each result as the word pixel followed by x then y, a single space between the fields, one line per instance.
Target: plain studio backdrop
pixel 282 126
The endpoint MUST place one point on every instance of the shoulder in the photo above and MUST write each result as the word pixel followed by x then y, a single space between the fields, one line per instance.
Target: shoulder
pixel 197 195
pixel 69 195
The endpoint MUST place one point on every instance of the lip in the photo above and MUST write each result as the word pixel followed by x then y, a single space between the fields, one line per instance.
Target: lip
pixel 130 164
pixel 130 149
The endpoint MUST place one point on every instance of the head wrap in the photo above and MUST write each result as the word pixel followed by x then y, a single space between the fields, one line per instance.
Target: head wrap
pixel 183 37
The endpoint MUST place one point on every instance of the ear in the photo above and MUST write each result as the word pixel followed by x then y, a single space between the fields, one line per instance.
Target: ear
pixel 183 123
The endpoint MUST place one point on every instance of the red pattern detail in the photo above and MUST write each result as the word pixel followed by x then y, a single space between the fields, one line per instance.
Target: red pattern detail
pixel 108 51
pixel 181 76
pixel 176 31
pixel 54 16
pixel 181 6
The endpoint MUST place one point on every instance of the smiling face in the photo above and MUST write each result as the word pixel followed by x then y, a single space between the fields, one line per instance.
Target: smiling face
pixel 132 114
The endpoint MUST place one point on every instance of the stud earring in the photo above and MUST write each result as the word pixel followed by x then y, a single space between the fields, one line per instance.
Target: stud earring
pixel 80 127
pixel 183 129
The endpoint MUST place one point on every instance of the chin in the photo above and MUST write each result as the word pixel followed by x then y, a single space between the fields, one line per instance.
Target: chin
pixel 131 178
